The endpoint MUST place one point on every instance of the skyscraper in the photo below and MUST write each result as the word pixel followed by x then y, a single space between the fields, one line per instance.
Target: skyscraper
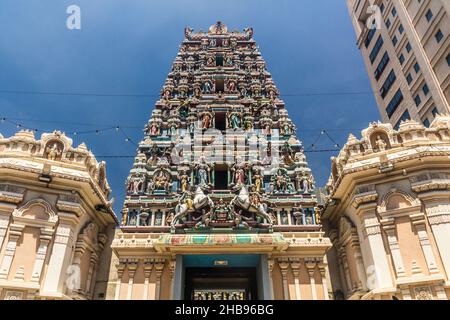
pixel 406 49
pixel 220 199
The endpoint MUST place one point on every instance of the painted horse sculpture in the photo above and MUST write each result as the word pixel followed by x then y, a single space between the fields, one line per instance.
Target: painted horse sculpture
pixel 201 200
pixel 242 200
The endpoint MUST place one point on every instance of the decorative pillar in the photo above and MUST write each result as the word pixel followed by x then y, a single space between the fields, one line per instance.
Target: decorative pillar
pixel 323 273
pixel 163 218
pixel 289 218
pixel 172 265
pixel 4 222
pixel 359 263
pixel 345 269
pixel 295 267
pixel 271 265
pixel 120 268
pixel 61 253
pixel 152 219
pixel 148 266
pixel 372 231
pixel 131 266
pixel 90 283
pixel 159 266
pixel 44 240
pixel 310 266
pixel 15 232
pixel 389 228
pixel 437 209
pixel 75 286
pixel 418 221
pixel 284 264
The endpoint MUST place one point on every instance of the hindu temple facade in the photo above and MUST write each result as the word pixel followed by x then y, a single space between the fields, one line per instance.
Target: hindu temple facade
pixel 388 213
pixel 56 219
pixel 220 200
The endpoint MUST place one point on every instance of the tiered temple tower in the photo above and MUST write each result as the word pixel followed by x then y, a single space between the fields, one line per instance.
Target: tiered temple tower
pixel 220 200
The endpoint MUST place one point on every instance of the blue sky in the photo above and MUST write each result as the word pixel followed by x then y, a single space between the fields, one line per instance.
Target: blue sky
pixel 127 47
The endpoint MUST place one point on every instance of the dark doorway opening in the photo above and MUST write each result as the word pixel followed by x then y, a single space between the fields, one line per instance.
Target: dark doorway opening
pixel 221 178
pixel 219 61
pixel 220 284
pixel 220 121
pixel 220 85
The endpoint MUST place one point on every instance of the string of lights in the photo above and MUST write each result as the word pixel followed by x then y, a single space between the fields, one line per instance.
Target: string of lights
pixel 127 138
pixel 150 95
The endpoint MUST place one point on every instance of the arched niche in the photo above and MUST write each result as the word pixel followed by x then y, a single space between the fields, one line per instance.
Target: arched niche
pixel 53 150
pixel 379 141
pixel 36 212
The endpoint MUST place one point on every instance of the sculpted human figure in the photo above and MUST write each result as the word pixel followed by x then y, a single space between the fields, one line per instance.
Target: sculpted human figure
pixel 207 87
pixel 206 120
pixel 202 172
pixel 234 120
pixel 53 152
pixel 184 182
pixel 380 143
pixel 258 182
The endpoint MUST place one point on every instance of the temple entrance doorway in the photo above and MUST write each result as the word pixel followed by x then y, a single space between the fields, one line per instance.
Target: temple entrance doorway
pixel 222 277
pixel 220 284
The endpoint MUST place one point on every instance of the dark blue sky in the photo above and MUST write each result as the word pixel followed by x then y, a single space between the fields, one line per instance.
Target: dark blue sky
pixel 127 47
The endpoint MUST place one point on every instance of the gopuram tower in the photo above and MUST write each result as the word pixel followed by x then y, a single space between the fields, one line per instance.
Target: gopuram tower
pixel 220 200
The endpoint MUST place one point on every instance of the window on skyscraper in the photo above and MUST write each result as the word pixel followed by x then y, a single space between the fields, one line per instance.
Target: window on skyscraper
pixel 388 84
pixel 439 36
pixel 394 103
pixel 425 89
pixel 409 78
pixel 408 47
pixel 429 15
pixel 381 66
pixel 376 49
pixel 417 100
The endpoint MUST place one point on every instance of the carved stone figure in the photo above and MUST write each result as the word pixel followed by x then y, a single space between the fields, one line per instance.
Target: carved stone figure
pixel 206 120
pixel 184 182
pixel 203 171
pixel 53 152
pixel 234 120
pixel 380 143
pixel 288 154
pixel 207 87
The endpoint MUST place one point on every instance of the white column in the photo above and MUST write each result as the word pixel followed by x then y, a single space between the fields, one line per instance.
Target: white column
pixel 295 266
pixel 438 213
pixel 389 228
pixel 60 258
pixel 159 266
pixel 324 282
pixel 372 231
pixel 15 232
pixel 310 266
pixel 284 269
pixel 148 266
pixel 4 222
pixel 44 240
pixel 345 269
pixel 172 265
pixel 90 283
pixel 131 266
pixel 420 226
pixel 359 265
pixel 120 268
